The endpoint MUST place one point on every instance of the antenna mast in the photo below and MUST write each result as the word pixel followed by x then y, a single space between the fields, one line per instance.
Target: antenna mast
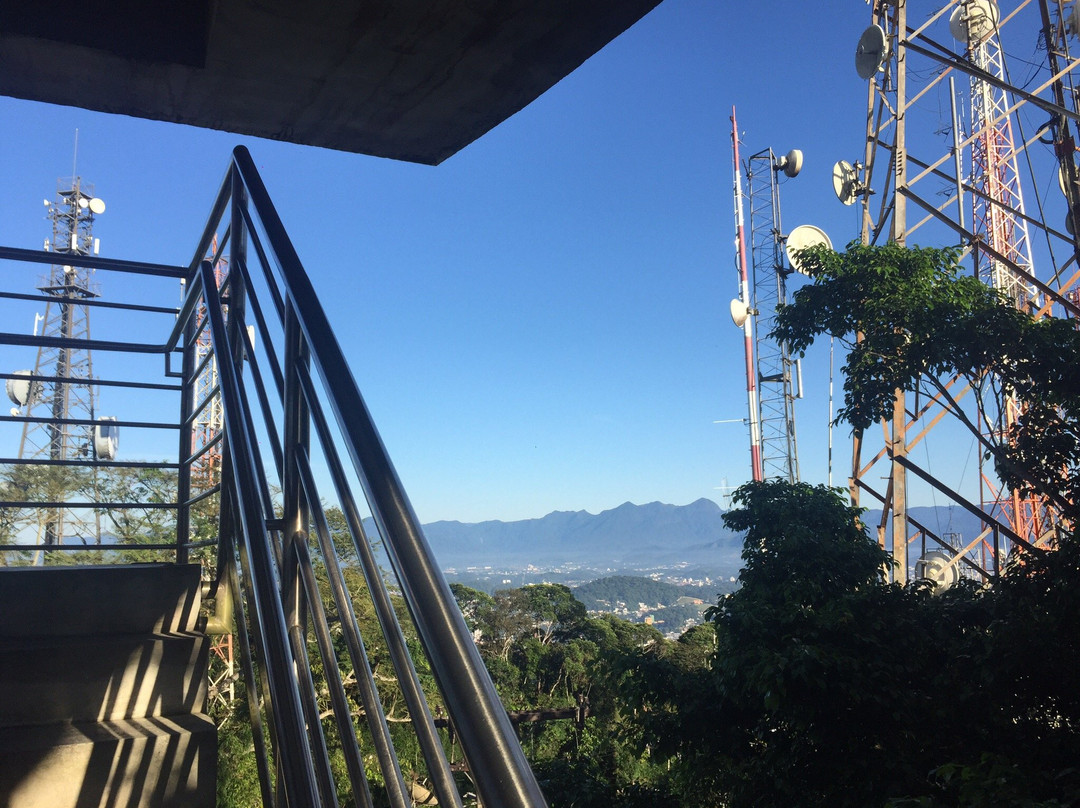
pixel 59 396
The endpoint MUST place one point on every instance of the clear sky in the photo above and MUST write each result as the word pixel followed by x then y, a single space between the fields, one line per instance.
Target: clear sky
pixel 540 323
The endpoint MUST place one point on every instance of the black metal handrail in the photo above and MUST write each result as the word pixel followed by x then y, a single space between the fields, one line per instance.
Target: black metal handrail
pixel 292 414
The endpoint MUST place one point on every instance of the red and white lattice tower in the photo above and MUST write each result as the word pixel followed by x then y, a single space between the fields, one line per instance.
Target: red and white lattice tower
pixel 1002 251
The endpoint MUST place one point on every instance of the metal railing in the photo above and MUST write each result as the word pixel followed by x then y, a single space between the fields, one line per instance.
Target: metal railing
pixel 311 404
pixel 296 446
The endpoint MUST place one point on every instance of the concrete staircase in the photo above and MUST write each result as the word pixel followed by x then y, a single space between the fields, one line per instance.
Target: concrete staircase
pixel 103 689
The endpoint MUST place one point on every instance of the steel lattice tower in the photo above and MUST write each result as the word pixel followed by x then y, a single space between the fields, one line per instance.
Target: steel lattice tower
pixel 60 406
pixel 912 74
pixel 774 366
pixel 1003 255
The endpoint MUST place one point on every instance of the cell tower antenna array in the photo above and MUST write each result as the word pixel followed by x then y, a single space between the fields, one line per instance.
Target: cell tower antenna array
pixel 774 379
pixel 58 396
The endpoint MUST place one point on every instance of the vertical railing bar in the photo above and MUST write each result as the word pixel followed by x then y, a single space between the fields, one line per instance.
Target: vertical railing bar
pixel 423 723
pixel 500 770
pixel 264 406
pixel 316 737
pixel 354 761
pixel 264 329
pixel 369 695
pixel 185 448
pixel 293 751
pixel 258 736
pixel 271 281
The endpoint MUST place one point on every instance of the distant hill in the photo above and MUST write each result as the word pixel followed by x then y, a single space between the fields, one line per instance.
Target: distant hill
pixel 625 536
pixel 604 594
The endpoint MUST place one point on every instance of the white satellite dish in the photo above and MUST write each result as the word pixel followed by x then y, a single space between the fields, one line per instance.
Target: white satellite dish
pixel 803 236
pixel 739 312
pixel 936 566
pixel 18 390
pixel 106 438
pixel 83 202
pixel 845 182
pixel 791 163
pixel 972 22
pixel 97 205
pixel 871 52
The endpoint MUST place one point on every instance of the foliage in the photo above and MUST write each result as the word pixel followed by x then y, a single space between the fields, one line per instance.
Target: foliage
pixel 920 322
pixel 827 685
pixel 628 589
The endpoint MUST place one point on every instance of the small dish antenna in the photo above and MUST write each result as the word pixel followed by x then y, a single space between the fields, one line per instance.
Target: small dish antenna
pixel 739 312
pixel 83 202
pixel 97 205
pixel 803 236
pixel 871 52
pixel 106 438
pixel 937 566
pixel 18 390
pixel 845 182
pixel 790 163
pixel 972 22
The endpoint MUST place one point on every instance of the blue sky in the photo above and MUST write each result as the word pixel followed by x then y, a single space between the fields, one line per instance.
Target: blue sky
pixel 540 323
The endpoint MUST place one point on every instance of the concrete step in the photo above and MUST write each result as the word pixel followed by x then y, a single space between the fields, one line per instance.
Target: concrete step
pixel 162 762
pixel 131 599
pixel 86 678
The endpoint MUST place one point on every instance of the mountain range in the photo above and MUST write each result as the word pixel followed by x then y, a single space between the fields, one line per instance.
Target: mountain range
pixel 631 537
pixel 628 536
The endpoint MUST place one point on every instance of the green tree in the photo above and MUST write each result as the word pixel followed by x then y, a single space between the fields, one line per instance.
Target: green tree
pixel 921 322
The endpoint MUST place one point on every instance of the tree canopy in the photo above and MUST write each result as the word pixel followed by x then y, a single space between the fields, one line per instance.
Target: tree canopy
pixel 912 320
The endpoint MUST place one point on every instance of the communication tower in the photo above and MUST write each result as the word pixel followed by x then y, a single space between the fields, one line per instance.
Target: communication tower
pixel 774 379
pixel 61 428
pixel 912 77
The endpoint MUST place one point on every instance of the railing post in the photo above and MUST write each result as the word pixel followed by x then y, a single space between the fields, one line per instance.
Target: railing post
pixel 293 753
pixel 296 435
pixel 187 406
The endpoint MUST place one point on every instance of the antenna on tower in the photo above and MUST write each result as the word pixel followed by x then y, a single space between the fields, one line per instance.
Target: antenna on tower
pixel 773 376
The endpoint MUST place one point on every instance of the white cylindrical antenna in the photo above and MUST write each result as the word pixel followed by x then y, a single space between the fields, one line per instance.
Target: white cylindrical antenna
pixel 74 241
pixel 798 378
pixel 97 246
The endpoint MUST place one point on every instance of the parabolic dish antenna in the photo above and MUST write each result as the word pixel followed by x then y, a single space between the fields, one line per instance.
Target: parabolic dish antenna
pixel 97 205
pixel 803 236
pixel 739 312
pixel 18 390
pixel 106 438
pixel 935 566
pixel 845 182
pixel 872 51
pixel 974 21
pixel 83 202
pixel 790 163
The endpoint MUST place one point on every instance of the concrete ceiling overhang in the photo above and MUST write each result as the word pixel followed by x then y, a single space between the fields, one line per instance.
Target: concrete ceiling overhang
pixel 412 80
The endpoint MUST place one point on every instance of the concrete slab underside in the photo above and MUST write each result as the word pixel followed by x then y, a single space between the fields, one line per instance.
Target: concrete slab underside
pixel 413 80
